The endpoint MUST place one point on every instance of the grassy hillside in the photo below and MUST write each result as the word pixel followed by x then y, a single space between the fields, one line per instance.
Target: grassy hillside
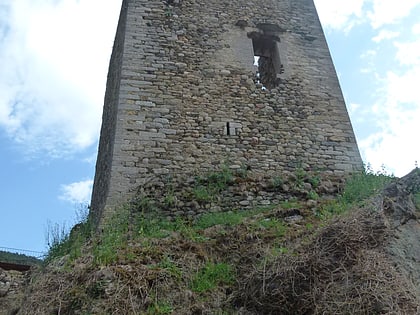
pixel 313 255
pixel 16 258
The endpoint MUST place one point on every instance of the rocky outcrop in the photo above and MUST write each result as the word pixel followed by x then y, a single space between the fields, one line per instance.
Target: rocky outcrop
pixel 399 206
pixel 12 287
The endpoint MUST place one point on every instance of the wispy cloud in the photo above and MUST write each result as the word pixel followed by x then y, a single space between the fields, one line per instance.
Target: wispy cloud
pixel 53 72
pixel 385 35
pixel 77 193
pixel 385 12
pixel 397 114
pixel 340 15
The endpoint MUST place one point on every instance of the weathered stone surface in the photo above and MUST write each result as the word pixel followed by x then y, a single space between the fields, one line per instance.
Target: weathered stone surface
pixel 182 86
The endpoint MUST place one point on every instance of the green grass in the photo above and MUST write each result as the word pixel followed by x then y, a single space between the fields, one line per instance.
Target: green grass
pixel 212 184
pixel 169 266
pixel 18 258
pixel 416 199
pixel 62 242
pixel 220 218
pixel 114 237
pixel 363 185
pixel 275 225
pixel 159 308
pixel 211 276
pixel 358 188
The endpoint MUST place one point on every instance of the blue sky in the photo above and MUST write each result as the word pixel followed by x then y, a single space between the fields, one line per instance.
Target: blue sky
pixel 54 57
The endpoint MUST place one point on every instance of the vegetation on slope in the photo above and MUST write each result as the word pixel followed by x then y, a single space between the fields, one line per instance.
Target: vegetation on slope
pixel 296 257
pixel 16 258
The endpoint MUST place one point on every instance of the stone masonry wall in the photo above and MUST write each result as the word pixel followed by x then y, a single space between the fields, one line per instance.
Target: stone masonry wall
pixel 188 99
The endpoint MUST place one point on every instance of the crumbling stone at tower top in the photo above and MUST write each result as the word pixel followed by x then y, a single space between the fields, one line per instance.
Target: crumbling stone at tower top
pixel 194 85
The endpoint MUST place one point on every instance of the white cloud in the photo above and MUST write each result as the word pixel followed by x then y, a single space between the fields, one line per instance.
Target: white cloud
pixel 339 14
pixel 409 53
pixel 397 114
pixel 390 11
pixel 385 35
pixel 416 29
pixel 54 60
pixel 78 193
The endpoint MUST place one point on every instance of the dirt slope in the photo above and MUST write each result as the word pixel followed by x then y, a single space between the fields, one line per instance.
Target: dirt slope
pixel 284 260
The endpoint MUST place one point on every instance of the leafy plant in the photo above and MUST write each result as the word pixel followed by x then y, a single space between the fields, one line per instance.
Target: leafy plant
pixel 218 218
pixel 159 308
pixel 364 184
pixel 212 184
pixel 202 193
pixel 114 237
pixel 167 264
pixel 359 187
pixel 275 225
pixel 62 241
pixel 277 182
pixel 212 275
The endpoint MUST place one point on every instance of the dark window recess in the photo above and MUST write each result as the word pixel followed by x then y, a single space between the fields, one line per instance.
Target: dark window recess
pixel 228 128
pixel 267 58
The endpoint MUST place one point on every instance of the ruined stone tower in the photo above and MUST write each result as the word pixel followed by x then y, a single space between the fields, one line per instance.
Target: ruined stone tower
pixel 194 85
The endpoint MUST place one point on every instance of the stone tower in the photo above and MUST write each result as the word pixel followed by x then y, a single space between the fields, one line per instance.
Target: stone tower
pixel 194 84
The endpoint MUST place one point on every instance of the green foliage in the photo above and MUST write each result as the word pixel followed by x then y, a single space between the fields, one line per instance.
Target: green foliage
pixel 153 226
pixel 225 218
pixel 212 184
pixel 202 193
pixel 275 225
pixel 290 204
pixel 313 195
pixel 277 182
pixel 16 258
pixel 167 264
pixel 143 205
pixel 416 198
pixel 159 308
pixel 61 242
pixel 212 275
pixel 359 187
pixel 113 238
pixel 364 184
